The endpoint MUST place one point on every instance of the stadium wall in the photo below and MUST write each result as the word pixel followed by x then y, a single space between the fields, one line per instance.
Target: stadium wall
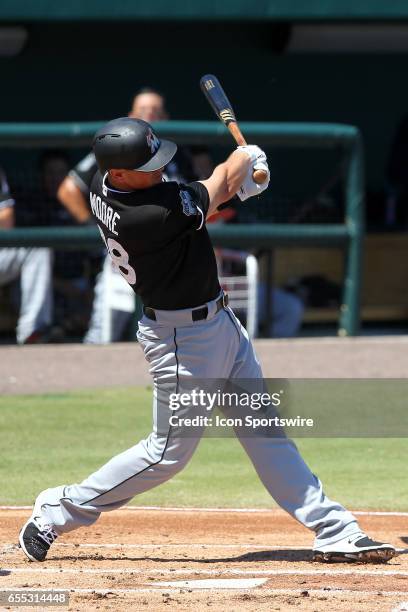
pixel 89 71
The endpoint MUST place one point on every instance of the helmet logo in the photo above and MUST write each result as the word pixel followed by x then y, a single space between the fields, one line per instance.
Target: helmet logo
pixel 152 142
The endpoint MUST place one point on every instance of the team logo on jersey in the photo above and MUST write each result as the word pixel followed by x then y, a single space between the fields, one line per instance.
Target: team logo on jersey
pixel 152 142
pixel 189 208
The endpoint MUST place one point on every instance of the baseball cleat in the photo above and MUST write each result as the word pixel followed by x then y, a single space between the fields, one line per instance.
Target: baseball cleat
pixel 357 547
pixel 36 538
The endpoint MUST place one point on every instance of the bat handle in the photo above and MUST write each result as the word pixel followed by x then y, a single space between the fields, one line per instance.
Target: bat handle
pixel 258 176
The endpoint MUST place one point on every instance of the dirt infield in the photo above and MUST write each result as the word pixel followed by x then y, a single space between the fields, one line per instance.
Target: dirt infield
pixel 56 368
pixel 141 559
pixel 257 560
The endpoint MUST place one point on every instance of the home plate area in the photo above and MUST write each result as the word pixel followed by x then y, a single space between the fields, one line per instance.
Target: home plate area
pixel 158 559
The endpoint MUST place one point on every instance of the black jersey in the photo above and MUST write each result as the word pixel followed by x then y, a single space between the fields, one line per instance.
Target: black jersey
pixel 159 242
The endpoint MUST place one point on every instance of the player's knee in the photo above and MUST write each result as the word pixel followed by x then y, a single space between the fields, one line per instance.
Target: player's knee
pixel 170 454
pixel 181 457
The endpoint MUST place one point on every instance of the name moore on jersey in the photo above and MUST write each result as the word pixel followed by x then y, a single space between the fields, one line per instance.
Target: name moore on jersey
pixel 120 257
pixel 104 212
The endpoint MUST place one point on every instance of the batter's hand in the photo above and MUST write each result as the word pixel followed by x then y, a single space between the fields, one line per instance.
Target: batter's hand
pixel 249 188
pixel 254 153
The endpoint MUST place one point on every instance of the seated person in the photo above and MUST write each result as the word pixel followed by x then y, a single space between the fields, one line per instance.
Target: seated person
pixel 33 267
pixel 287 308
pixel 72 270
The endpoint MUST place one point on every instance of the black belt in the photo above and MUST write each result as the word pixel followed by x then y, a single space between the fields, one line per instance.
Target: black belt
pixel 197 314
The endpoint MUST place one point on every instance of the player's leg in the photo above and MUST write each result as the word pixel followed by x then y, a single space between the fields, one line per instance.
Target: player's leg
pixel 10 264
pixel 287 314
pixel 64 508
pixel 146 465
pixel 36 293
pixel 34 268
pixel 95 329
pixel 108 321
pixel 174 354
pixel 295 488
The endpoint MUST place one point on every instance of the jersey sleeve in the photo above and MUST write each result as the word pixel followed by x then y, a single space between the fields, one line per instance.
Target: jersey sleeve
pixel 187 210
pixel 84 172
pixel 201 194
pixel 6 201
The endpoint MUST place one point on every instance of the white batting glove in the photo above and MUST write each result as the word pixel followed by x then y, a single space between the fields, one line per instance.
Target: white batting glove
pixel 249 188
pixel 254 153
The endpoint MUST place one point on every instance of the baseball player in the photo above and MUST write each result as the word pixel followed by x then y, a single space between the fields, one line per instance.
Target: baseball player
pixel 108 323
pixel 34 267
pixel 156 235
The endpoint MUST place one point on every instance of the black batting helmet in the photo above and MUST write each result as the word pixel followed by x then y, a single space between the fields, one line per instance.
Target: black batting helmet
pixel 131 144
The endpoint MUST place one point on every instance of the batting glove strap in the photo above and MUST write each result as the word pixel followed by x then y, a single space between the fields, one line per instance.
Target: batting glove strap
pixel 249 188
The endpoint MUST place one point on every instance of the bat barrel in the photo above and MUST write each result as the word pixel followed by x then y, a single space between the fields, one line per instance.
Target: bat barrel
pixel 215 95
pixel 222 107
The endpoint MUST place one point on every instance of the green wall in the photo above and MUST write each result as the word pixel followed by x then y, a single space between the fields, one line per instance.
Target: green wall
pixel 62 10
pixel 89 72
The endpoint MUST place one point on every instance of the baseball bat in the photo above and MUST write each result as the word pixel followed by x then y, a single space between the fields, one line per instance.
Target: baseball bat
pixel 222 107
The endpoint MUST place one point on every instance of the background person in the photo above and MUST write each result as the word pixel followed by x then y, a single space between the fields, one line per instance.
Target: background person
pixel 72 270
pixel 33 266
pixel 287 308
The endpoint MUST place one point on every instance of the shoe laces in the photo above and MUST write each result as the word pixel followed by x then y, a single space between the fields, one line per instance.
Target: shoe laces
pixel 46 532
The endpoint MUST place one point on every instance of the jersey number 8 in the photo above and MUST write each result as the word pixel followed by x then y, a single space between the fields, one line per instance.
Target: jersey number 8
pixel 120 259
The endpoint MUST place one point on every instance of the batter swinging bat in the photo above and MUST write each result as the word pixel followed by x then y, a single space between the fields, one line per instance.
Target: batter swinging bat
pixel 215 95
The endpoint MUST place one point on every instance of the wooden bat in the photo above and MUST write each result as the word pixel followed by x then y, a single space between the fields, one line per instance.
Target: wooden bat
pixel 215 95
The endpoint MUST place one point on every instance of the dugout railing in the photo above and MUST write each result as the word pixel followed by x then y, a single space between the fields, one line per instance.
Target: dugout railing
pixel 346 235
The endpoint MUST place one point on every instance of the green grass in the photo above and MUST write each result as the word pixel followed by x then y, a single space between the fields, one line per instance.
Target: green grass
pixel 61 438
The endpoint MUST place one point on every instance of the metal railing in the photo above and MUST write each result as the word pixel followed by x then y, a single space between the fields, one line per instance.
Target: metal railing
pixel 347 235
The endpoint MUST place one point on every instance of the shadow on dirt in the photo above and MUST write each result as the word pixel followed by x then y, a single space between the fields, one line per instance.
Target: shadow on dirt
pixel 288 555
